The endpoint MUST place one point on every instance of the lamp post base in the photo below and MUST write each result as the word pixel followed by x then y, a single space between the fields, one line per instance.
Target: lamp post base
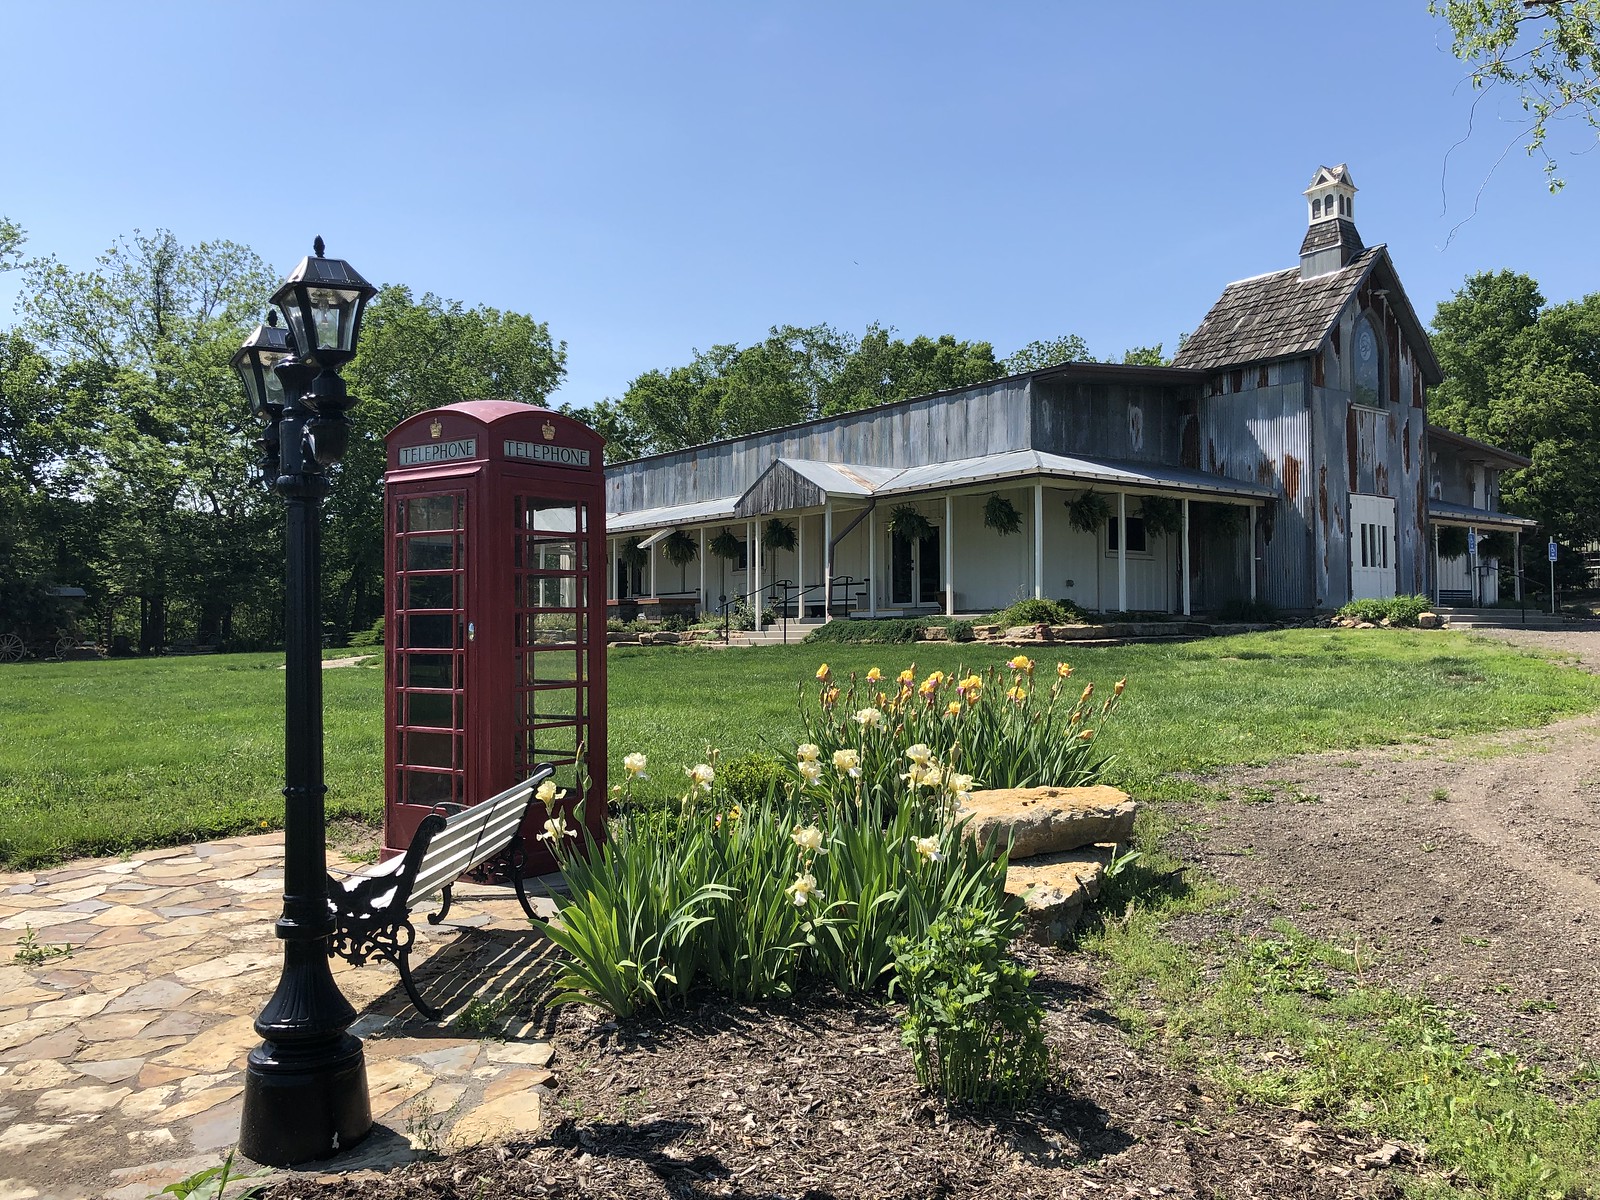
pixel 299 1110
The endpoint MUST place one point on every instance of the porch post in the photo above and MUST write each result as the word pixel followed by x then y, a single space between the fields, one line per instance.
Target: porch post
pixel 872 561
pixel 1437 584
pixel 1183 558
pixel 704 599
pixel 1516 561
pixel 1122 551
pixel 1472 560
pixel 653 557
pixel 1252 554
pixel 753 576
pixel 827 558
pixel 949 556
pixel 800 565
pixel 1038 540
pixel 611 571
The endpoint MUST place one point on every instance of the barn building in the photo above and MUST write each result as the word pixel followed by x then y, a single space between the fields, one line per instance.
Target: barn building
pixel 1285 456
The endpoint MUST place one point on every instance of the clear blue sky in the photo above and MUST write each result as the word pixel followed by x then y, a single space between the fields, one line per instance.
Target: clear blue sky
pixel 654 178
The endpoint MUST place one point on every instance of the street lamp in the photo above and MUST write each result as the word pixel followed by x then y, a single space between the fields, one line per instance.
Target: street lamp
pixel 305 1093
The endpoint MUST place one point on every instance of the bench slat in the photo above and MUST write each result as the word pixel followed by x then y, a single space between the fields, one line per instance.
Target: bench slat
pixel 464 855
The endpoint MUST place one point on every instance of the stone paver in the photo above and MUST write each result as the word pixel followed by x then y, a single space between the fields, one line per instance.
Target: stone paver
pixel 122 1062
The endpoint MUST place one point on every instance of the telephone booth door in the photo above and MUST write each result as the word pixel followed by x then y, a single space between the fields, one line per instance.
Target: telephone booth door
pixel 495 615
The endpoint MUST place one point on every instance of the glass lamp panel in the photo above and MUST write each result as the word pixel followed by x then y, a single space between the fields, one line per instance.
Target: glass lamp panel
pixel 288 302
pixel 334 313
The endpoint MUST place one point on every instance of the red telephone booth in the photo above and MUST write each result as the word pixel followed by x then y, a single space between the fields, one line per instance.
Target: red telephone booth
pixel 494 626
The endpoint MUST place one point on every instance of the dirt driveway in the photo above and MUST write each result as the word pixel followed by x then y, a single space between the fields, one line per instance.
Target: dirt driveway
pixel 1470 868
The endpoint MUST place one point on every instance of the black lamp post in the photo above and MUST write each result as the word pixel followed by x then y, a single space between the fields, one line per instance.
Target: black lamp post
pixel 305 1093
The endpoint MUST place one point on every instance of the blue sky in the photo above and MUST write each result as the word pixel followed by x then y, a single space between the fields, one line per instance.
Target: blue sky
pixel 654 178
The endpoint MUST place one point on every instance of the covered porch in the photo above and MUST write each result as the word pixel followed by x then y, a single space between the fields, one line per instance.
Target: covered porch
pixel 1462 573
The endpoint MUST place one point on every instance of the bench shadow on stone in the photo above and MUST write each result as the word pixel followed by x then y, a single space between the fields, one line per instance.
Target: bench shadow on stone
pixel 493 969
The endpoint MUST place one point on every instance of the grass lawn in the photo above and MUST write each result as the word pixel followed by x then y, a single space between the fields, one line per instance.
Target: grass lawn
pixel 103 757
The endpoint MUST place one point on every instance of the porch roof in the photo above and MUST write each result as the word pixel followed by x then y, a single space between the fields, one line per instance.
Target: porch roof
pixel 1021 464
pixel 668 517
pixel 1446 513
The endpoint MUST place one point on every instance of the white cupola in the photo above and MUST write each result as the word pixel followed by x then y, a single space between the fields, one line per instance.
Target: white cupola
pixel 1332 194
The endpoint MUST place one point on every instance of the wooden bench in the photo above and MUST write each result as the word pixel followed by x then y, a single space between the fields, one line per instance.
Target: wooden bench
pixel 372 909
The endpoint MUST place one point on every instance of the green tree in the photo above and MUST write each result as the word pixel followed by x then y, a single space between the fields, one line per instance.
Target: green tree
pixel 881 368
pixel 141 341
pixel 1049 352
pixel 1526 376
pixel 417 354
pixel 11 239
pixel 1145 356
pixel 1545 51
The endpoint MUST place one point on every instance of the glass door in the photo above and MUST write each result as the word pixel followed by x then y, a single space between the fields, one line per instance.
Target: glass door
pixel 427 646
pixel 914 570
pixel 549 681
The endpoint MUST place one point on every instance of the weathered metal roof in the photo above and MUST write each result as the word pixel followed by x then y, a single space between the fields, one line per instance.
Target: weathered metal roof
pixel 1273 316
pixel 672 515
pixel 1475 451
pixel 1023 463
pixel 841 479
pixel 1462 514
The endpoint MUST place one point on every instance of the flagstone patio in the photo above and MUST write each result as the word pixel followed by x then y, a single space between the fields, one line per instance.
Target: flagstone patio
pixel 122 1062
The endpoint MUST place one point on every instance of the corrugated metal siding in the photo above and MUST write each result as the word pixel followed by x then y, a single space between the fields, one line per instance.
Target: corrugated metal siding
pixel 982 420
pixel 1135 423
pixel 1256 426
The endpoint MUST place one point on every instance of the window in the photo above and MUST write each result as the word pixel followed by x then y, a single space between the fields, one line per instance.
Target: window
pixel 1368 379
pixel 1316 210
pixel 1136 536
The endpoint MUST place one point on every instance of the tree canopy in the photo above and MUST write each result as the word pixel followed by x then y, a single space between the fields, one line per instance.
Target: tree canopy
pixel 1545 51
pixel 1526 376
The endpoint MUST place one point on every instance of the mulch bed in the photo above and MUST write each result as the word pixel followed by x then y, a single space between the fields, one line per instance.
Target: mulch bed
pixel 817 1099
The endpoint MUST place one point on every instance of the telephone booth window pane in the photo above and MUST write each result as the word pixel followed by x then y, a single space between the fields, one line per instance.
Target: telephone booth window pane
pixel 431 591
pixel 434 709
pixel 432 631
pixel 432 749
pixel 431 512
pixel 430 671
pixel 429 552
pixel 548 516
pixel 429 787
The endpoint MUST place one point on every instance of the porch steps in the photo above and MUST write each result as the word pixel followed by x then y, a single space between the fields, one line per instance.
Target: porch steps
pixel 1512 618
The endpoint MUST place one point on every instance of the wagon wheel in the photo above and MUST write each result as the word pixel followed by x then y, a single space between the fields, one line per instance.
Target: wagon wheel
pixel 12 647
pixel 65 646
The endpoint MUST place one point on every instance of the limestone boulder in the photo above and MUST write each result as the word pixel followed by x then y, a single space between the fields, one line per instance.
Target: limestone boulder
pixel 1056 888
pixel 1429 620
pixel 1048 820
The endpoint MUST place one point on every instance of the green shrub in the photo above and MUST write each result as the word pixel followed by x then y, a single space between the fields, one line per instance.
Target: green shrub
pixel 958 630
pixel 886 631
pixel 1032 612
pixel 748 780
pixel 369 637
pixel 974 1029
pixel 1398 610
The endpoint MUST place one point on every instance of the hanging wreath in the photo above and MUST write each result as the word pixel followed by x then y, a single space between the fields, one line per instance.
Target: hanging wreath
pixel 777 534
pixel 725 545
pixel 1227 520
pixel 906 522
pixel 1452 541
pixel 679 548
pixel 1087 511
pixel 634 553
pixel 1001 515
pixel 1161 515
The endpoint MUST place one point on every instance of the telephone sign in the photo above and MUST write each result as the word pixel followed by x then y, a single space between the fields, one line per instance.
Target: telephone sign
pixel 494 629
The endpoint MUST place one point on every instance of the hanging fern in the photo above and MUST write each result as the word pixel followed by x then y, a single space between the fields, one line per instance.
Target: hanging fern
pixel 1494 545
pixel 634 553
pixel 1087 511
pixel 1161 514
pixel 906 522
pixel 1001 515
pixel 1226 520
pixel 680 548
pixel 725 545
pixel 1452 541
pixel 778 534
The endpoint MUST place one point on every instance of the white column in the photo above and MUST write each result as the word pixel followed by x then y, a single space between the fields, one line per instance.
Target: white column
pixel 1516 562
pixel 872 562
pixel 827 558
pixel 653 557
pixel 1183 555
pixel 949 556
pixel 753 576
pixel 704 599
pixel 1122 551
pixel 1252 553
pixel 611 571
pixel 1472 562
pixel 1038 540
pixel 800 564
pixel 1437 584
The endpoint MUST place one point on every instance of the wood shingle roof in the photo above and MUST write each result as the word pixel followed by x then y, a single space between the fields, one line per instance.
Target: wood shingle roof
pixel 1273 316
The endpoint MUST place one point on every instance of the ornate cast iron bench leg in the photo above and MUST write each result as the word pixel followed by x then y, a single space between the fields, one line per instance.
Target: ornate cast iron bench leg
pixel 445 898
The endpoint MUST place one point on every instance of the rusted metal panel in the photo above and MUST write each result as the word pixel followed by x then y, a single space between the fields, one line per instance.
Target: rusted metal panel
pixel 1096 418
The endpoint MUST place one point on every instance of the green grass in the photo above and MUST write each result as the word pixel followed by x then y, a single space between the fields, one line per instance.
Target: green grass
pixel 105 757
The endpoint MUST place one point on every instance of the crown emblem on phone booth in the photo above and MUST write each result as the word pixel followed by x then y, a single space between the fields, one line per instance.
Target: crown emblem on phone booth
pixel 436 428
pixel 549 431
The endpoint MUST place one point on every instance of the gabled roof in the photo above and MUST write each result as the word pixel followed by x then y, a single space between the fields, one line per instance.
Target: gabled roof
pixel 1442 513
pixel 1472 450
pixel 1282 315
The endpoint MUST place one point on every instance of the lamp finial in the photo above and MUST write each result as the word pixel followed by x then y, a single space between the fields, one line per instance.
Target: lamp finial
pixel 318 246
pixel 272 317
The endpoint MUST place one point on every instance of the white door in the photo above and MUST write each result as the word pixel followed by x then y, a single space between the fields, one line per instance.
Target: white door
pixel 1372 547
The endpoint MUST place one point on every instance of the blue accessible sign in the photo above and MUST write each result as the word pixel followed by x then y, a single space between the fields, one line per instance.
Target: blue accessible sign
pixel 1552 552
